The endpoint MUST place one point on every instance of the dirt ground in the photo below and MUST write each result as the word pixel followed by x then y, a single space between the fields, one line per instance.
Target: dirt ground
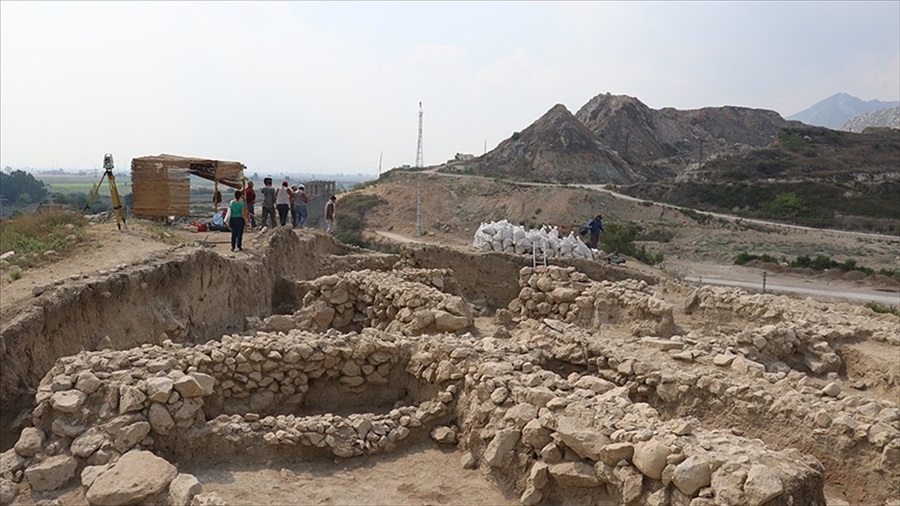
pixel 419 475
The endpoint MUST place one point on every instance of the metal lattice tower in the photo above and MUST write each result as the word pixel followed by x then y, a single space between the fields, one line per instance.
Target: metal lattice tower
pixel 419 163
pixel 419 158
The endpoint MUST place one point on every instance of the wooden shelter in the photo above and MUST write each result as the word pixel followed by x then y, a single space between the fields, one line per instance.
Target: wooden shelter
pixel 162 185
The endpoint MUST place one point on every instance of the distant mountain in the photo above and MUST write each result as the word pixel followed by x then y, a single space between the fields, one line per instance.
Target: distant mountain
pixel 883 118
pixel 555 148
pixel 837 109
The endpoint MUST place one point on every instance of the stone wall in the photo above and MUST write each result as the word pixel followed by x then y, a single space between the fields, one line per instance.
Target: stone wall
pixel 572 439
pixel 183 294
pixel 393 301
pixel 570 296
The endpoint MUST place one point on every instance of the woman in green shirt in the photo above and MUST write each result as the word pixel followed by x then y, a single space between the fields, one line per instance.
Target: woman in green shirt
pixel 237 218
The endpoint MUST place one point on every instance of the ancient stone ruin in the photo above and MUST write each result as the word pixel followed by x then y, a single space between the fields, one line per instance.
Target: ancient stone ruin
pixel 584 386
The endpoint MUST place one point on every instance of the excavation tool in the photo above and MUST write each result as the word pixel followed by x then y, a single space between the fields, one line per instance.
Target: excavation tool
pixel 108 166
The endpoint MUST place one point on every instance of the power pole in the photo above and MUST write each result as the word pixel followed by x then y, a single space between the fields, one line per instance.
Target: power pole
pixel 380 157
pixel 419 163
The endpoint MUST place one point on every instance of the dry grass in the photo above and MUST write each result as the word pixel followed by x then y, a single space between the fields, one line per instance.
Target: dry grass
pixel 31 236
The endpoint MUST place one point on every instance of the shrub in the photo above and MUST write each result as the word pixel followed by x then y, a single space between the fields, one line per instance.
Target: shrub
pixel 656 235
pixel 16 273
pixel 744 258
pixel 31 235
pixel 620 238
pixel 694 215
pixel 786 205
pixel 883 309
pixel 352 219
pixel 791 140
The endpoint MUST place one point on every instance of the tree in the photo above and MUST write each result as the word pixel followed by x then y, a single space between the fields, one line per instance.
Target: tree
pixel 786 205
pixel 20 187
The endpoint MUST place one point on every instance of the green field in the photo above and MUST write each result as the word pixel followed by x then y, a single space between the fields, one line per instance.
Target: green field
pixel 71 183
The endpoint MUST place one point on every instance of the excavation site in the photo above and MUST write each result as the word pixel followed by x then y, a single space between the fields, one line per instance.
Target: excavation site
pixel 439 375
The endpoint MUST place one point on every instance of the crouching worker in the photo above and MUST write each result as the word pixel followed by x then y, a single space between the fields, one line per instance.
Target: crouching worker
pixel 237 217
pixel 219 223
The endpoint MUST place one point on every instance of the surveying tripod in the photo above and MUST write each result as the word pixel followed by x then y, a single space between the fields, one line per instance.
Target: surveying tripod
pixel 108 167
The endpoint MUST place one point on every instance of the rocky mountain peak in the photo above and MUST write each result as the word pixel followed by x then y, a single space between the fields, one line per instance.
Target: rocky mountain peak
pixel 673 137
pixel 883 118
pixel 556 147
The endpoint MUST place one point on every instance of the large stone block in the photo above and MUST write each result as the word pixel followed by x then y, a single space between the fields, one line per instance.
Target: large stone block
pixel 137 476
pixel 51 473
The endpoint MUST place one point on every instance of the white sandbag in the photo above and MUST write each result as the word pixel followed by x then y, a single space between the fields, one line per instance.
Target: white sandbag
pixel 523 246
pixel 582 250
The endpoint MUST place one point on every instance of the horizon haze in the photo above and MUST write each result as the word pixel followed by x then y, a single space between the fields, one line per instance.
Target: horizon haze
pixel 326 87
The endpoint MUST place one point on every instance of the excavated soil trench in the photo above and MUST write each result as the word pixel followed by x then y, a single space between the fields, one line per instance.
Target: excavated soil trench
pixel 195 296
pixel 191 296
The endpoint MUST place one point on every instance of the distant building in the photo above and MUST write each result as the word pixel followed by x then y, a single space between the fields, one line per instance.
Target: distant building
pixel 319 192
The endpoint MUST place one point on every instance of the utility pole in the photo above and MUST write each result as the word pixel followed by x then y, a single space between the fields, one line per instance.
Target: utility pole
pixel 419 163
pixel 380 157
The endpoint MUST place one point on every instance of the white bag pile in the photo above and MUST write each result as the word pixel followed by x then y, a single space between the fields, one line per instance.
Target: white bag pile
pixel 502 236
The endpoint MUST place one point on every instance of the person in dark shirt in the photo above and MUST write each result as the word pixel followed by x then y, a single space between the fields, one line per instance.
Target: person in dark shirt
pixel 595 227
pixel 268 203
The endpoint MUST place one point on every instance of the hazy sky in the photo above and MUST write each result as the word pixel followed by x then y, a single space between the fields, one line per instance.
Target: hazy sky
pixel 325 87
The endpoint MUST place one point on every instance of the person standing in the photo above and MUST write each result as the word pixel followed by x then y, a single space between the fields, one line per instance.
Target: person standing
pixel 250 201
pixel 329 214
pixel 268 204
pixel 237 217
pixel 302 200
pixel 294 215
pixel 595 227
pixel 283 202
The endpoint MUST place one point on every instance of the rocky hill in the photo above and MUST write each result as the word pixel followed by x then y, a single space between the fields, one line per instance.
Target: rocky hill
pixel 812 176
pixel 885 118
pixel 668 139
pixel 555 148
pixel 837 109
pixel 750 162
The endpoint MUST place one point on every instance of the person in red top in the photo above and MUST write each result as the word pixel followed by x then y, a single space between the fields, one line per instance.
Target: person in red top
pixel 250 199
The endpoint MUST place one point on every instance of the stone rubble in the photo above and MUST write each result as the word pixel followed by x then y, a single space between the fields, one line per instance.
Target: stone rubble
pixel 588 391
pixel 405 301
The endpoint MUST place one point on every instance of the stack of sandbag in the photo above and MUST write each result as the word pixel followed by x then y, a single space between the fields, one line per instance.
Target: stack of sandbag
pixel 502 236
